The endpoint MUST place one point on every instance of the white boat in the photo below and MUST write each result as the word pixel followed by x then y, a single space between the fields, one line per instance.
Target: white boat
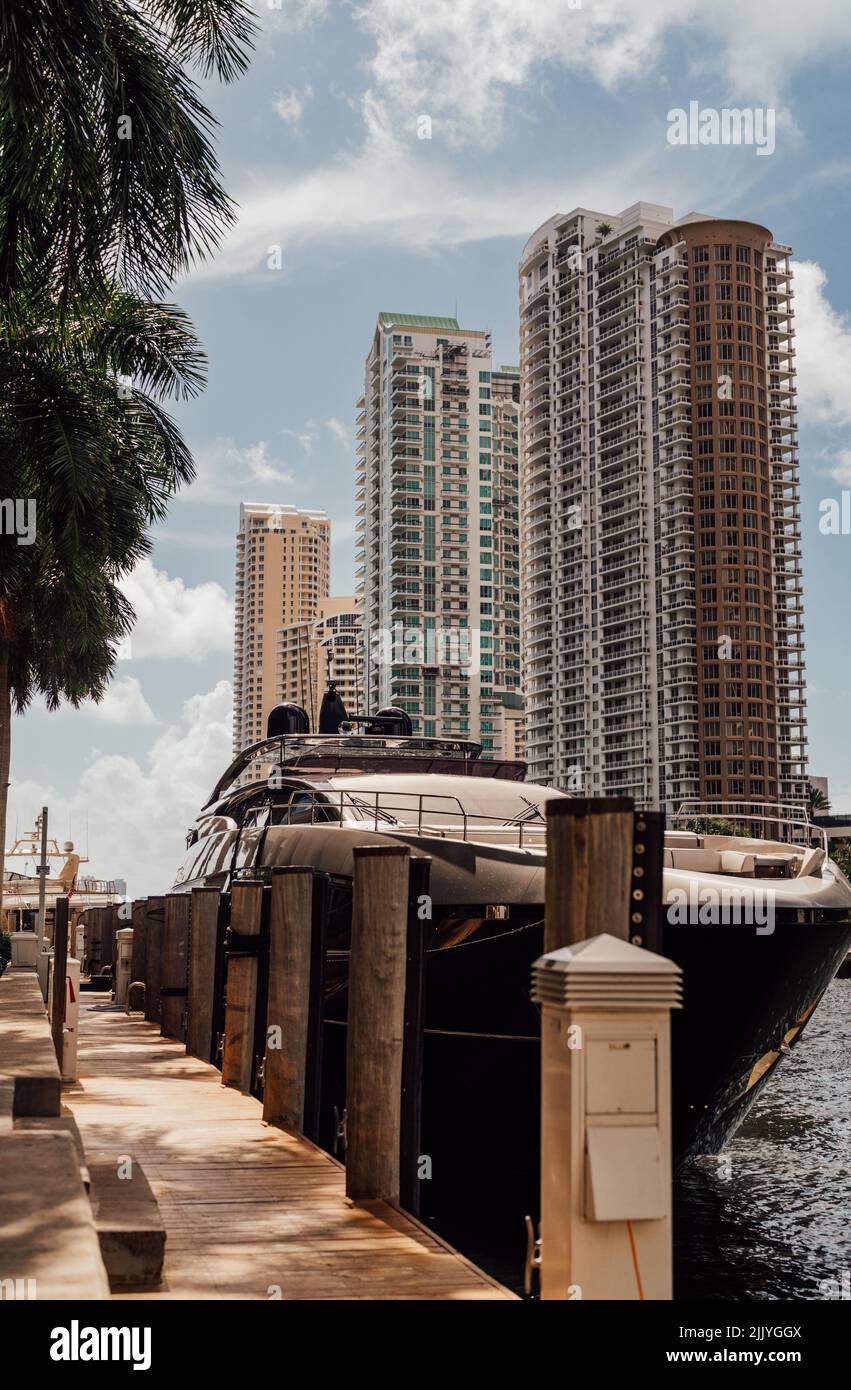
pixel 21 881
pixel 750 985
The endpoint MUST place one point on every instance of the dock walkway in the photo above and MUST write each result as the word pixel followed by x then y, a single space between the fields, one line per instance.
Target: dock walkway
pixel 251 1211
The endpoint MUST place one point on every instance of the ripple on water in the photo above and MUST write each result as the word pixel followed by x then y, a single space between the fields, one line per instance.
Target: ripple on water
pixel 780 1223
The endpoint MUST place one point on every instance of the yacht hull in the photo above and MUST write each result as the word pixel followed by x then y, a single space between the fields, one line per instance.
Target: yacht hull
pixel 746 1002
pixel 747 994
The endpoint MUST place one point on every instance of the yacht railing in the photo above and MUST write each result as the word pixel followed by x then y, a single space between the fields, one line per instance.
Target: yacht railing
pixel 293 745
pixel 420 813
pixel 97 885
pixel 791 819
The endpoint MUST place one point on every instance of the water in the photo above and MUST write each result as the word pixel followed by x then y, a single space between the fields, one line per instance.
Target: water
pixel 771 1218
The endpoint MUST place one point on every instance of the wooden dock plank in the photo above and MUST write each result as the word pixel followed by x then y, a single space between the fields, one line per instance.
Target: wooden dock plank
pixel 250 1210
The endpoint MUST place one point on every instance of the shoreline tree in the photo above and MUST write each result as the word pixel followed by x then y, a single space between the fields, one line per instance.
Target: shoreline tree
pixel 109 189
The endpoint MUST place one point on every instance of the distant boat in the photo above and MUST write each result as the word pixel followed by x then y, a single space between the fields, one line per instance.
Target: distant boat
pixel 21 885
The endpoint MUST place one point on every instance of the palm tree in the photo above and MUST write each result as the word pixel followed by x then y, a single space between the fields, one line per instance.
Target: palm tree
pixel 817 801
pixel 100 458
pixel 107 171
pixel 109 188
pixel 603 229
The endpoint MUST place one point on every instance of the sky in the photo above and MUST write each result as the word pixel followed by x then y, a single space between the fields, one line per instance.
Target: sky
pixel 534 107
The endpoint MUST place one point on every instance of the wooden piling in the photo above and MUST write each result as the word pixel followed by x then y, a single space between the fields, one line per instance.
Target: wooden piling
pixel 109 925
pixel 288 997
pixel 647 907
pixel 377 968
pixel 203 927
pixel 93 921
pixel 154 915
pixel 60 971
pixel 410 1120
pixel 139 921
pixel 241 994
pixel 174 966
pixel 320 906
pixel 589 869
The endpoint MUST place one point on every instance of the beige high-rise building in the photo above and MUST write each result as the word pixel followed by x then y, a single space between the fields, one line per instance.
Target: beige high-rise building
pixel 326 648
pixel 283 558
pixel 663 609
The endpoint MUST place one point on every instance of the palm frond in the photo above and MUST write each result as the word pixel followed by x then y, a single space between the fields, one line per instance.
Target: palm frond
pixel 153 343
pixel 107 167
pixel 217 35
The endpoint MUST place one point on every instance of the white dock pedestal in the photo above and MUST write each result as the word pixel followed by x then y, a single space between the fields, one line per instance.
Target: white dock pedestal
pixel 605 1120
pixel 24 950
pixel 124 964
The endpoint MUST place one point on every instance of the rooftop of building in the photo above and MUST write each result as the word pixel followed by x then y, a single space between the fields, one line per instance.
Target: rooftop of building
pixel 655 218
pixel 280 509
pixel 638 214
pixel 428 323
pixel 416 321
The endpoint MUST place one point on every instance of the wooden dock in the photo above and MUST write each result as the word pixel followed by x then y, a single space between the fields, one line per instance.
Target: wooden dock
pixel 252 1211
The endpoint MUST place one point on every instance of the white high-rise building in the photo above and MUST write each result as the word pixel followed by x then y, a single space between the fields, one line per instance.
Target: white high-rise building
pixel 663 613
pixel 438 531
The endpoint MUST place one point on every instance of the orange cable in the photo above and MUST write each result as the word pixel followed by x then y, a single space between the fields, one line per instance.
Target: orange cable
pixel 635 1262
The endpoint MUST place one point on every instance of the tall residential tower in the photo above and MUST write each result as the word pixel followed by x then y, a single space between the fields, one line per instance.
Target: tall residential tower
pixel 438 531
pixel 282 571
pixel 663 611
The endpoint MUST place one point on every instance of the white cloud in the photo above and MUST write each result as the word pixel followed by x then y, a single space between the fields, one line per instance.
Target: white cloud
pixel 463 63
pixel 841 469
pixel 458 61
pixel 138 812
pixel 123 703
pixel 228 472
pixel 291 15
pixel 391 192
pixel 176 621
pixel 421 195
pixel 290 105
pixel 306 436
pixel 340 431
pixel 824 350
